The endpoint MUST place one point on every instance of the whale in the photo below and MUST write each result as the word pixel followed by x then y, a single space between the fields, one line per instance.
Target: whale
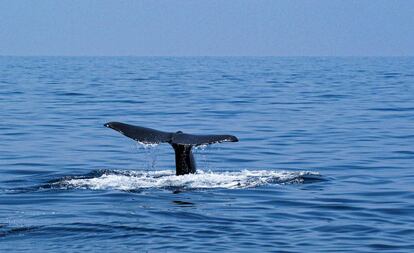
pixel 182 143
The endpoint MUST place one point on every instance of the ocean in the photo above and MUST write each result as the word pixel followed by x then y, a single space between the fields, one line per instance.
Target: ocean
pixel 324 161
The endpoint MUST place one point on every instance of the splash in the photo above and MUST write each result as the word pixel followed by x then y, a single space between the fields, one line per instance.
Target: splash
pixel 166 179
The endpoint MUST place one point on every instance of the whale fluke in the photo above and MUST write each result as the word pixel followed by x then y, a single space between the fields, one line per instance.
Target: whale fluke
pixel 141 134
pixel 197 140
pixel 181 142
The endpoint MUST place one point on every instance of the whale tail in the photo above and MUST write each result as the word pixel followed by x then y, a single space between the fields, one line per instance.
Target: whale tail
pixel 181 142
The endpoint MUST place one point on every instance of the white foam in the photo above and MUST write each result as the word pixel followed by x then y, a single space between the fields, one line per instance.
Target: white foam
pixel 135 180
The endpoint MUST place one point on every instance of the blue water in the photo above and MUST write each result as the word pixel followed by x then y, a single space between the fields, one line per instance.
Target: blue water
pixel 324 163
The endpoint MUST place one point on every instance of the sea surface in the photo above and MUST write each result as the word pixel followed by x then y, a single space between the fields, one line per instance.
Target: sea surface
pixel 325 161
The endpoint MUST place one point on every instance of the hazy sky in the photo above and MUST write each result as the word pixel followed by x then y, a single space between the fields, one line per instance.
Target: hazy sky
pixel 209 27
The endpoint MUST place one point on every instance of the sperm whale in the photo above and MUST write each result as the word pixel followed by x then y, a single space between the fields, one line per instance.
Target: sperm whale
pixel 182 143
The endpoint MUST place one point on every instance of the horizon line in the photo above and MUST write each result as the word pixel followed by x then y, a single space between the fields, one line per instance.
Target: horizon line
pixel 218 56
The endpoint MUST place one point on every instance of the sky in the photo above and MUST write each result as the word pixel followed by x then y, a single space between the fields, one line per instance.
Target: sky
pixel 207 28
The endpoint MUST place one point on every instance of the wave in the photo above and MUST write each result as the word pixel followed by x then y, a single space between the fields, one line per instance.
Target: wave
pixel 126 180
